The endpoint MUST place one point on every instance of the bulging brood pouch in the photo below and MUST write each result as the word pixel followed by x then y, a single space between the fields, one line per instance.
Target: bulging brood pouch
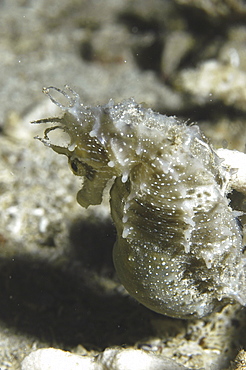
pixel 179 245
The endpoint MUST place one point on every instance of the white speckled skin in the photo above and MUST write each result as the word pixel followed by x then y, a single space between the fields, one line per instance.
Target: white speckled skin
pixel 179 246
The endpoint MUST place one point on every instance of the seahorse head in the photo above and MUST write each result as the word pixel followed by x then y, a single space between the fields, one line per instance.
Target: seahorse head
pixel 86 150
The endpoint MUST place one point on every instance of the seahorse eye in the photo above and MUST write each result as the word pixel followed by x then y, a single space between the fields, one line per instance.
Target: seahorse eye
pixel 74 166
pixel 80 168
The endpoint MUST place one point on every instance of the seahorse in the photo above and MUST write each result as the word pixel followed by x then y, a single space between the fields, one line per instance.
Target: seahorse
pixel 179 247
